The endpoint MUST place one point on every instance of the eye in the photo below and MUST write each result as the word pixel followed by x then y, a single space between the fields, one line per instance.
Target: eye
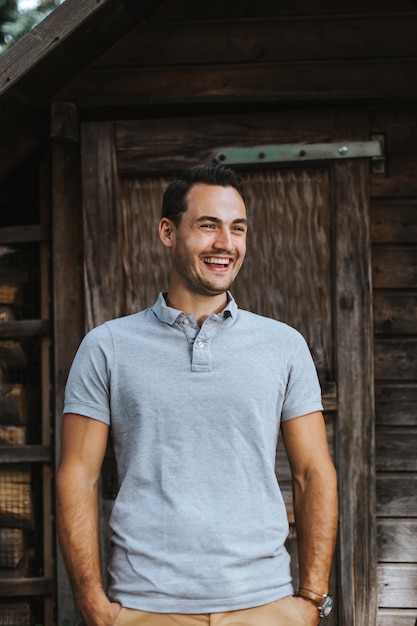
pixel 208 226
pixel 239 229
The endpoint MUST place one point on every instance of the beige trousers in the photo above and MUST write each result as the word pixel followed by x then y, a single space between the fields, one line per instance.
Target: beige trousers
pixel 283 612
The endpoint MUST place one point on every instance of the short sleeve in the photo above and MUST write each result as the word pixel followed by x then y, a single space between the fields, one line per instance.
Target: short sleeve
pixel 303 393
pixel 87 390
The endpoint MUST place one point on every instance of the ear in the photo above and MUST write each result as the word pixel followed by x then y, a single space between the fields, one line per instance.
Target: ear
pixel 167 232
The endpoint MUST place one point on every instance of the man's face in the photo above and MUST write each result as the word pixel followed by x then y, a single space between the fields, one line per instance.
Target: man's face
pixel 209 245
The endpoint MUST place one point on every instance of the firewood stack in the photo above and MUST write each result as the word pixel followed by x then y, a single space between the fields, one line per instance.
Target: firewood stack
pixel 16 499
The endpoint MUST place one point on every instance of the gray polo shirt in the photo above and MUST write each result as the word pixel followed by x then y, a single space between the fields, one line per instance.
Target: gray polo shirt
pixel 199 523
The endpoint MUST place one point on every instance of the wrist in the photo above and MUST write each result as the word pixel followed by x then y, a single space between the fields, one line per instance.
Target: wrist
pixel 322 601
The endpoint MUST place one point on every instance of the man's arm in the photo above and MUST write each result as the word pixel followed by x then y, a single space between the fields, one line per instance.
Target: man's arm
pixel 84 442
pixel 315 501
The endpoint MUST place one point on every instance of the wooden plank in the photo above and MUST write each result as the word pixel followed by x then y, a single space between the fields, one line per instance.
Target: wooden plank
pixel 68 302
pixel 23 234
pixel 353 341
pixel 48 526
pixel 396 450
pixel 24 328
pixel 394 220
pixel 394 266
pixel 310 81
pixel 156 42
pixel 399 125
pixel 397 540
pixel 395 404
pixel 396 617
pixel 396 495
pixel 397 584
pixel 162 145
pixel 395 312
pixel 401 178
pixel 12 588
pixel 172 9
pixel 25 454
pixel 104 283
pixel 395 358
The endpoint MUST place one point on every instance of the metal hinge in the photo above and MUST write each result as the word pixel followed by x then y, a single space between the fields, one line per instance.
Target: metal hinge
pixel 373 149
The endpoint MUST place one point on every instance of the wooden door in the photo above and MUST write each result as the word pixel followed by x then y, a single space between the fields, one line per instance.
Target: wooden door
pixel 308 265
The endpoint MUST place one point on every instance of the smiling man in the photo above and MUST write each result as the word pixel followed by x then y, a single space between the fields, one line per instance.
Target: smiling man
pixel 195 392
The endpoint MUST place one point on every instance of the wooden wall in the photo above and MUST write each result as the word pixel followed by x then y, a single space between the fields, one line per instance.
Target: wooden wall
pixel 190 57
pixel 394 261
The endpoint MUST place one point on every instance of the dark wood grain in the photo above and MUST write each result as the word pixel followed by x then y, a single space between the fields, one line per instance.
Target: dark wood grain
pixel 395 403
pixel 396 540
pixel 397 584
pixel 355 434
pixel 396 494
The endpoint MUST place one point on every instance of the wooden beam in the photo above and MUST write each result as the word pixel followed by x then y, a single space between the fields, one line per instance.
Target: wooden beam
pixel 60 36
pixel 15 587
pixel 24 328
pixel 68 288
pixel 264 40
pixel 355 456
pixel 314 81
pixel 25 454
pixel 23 234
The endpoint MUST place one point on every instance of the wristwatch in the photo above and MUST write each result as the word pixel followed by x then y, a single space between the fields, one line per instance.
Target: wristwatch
pixel 323 602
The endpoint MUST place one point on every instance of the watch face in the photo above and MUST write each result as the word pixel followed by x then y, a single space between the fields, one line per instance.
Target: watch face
pixel 326 606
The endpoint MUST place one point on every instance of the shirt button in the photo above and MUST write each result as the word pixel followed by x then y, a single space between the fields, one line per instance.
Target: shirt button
pixel 186 321
pixel 201 344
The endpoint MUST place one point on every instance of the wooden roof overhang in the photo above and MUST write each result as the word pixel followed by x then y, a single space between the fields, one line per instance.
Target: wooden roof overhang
pixel 48 57
pixel 124 55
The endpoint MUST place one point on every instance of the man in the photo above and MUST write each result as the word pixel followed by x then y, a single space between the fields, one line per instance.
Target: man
pixel 195 392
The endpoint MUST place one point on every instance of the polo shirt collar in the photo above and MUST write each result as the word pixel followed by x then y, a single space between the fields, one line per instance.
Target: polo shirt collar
pixel 168 315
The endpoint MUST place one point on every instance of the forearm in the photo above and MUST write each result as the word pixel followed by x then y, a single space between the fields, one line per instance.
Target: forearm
pixel 315 508
pixel 78 529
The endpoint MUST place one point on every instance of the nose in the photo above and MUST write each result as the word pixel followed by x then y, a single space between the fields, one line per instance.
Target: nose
pixel 223 240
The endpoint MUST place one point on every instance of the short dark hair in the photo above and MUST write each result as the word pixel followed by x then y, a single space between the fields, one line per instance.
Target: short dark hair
pixel 174 200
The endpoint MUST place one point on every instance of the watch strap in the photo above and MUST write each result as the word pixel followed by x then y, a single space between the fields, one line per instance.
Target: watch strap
pixel 311 596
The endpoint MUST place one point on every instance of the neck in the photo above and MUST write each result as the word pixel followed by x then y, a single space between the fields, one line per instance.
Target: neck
pixel 199 306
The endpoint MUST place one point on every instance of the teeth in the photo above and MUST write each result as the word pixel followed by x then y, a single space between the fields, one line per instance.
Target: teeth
pixel 215 261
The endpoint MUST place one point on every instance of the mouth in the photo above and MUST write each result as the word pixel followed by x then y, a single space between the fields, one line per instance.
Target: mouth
pixel 217 262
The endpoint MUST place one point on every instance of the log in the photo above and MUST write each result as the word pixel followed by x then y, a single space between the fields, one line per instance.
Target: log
pixel 6 313
pixel 16 614
pixel 12 355
pixel 12 436
pixel 13 405
pixel 16 504
pixel 12 547
pixel 10 294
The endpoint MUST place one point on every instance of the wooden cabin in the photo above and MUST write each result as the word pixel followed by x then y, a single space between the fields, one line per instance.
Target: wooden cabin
pixel 315 103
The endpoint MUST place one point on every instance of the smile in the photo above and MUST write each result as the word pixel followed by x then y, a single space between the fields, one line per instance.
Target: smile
pixel 209 260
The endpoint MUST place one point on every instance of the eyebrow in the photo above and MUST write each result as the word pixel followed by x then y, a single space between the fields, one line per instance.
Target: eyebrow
pixel 216 220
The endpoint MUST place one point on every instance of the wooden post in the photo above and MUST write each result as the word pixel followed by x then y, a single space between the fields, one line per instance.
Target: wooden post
pixel 355 449
pixel 67 239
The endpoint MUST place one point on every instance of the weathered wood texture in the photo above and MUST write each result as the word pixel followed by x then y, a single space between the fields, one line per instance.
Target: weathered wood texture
pixel 396 540
pixel 68 296
pixel 355 434
pixel 394 239
pixel 256 52
pixel 397 617
pixel 397 585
